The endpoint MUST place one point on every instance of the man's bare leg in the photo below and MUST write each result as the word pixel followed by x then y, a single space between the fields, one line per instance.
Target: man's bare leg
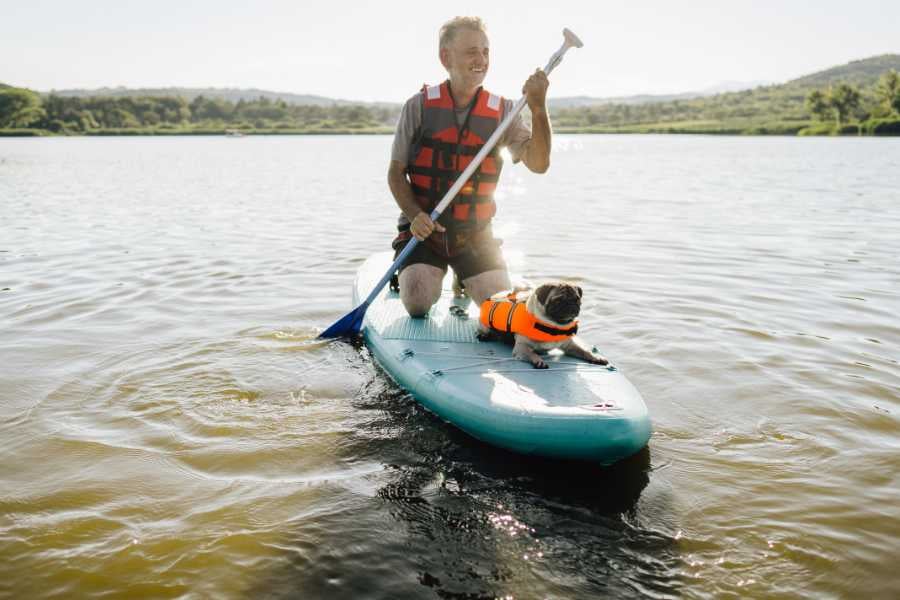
pixel 420 288
pixel 484 285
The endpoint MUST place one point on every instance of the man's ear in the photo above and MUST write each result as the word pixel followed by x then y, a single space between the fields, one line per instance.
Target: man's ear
pixel 543 292
pixel 444 55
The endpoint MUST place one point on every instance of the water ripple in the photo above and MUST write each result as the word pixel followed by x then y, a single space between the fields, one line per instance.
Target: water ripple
pixel 171 426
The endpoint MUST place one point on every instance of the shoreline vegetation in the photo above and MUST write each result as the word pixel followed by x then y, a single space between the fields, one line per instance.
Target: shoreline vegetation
pixel 861 98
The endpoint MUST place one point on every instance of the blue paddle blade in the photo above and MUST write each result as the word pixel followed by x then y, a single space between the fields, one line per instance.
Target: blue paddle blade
pixel 349 325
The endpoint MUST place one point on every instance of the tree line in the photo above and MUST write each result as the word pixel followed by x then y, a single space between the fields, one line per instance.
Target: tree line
pixel 843 103
pixel 839 108
pixel 24 109
pixel 784 108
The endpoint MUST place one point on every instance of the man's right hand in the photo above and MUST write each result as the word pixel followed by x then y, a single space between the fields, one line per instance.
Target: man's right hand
pixel 422 226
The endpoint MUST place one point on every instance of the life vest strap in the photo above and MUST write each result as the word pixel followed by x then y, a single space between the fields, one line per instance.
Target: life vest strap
pixel 421 192
pixel 449 174
pixel 464 149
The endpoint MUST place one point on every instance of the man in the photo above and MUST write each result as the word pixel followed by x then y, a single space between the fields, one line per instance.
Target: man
pixel 440 130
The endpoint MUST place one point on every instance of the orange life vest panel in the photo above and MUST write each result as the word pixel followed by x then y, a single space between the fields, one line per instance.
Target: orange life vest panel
pixel 443 149
pixel 511 316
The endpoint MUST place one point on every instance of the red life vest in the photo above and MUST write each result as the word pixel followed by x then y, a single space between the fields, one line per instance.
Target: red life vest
pixel 511 316
pixel 443 149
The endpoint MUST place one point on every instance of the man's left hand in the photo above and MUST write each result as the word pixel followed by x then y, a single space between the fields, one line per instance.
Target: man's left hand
pixel 535 90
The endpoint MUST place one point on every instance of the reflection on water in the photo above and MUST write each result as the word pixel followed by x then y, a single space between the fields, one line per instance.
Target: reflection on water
pixel 169 426
pixel 471 521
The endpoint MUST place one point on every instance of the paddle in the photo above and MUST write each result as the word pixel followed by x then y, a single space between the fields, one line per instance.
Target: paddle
pixel 351 323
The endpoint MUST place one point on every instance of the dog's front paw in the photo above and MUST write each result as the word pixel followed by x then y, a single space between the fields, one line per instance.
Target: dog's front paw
pixel 538 363
pixel 485 336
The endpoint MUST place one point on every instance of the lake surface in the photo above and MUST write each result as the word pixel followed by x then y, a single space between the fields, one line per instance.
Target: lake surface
pixel 170 427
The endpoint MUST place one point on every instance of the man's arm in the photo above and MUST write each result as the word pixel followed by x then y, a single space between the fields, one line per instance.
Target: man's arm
pixel 410 118
pixel 536 154
pixel 421 224
pixel 402 190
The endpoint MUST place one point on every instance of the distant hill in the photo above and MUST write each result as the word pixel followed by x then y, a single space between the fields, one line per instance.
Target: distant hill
pixel 249 94
pixel 858 72
pixel 229 94
pixel 725 86
pixel 579 101
pixel 764 109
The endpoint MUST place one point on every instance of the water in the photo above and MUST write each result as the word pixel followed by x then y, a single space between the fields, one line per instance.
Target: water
pixel 170 427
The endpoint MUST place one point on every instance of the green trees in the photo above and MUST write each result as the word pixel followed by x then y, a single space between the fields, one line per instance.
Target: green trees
pixel 846 100
pixel 207 109
pixel 19 107
pixel 840 100
pixel 888 92
pixel 71 115
pixel 819 105
pixel 785 109
pixel 841 103
pixel 871 111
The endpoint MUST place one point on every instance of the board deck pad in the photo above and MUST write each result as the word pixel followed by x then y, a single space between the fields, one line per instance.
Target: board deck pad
pixel 573 409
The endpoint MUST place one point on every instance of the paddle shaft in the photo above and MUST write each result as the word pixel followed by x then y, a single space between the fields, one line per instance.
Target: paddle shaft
pixel 467 173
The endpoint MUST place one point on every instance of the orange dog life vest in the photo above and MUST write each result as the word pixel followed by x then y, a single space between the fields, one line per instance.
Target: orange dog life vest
pixel 510 316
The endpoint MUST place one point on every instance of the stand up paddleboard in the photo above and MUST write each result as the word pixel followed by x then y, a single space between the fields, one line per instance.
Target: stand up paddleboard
pixel 573 410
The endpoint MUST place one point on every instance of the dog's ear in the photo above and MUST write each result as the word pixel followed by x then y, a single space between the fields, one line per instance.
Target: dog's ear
pixel 543 292
pixel 580 292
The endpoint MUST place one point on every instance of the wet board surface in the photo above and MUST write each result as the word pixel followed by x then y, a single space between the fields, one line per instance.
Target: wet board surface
pixel 573 410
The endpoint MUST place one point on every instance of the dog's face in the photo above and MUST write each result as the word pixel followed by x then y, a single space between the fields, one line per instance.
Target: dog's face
pixel 559 302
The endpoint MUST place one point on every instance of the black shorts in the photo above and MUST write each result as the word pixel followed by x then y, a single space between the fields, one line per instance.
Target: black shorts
pixel 478 256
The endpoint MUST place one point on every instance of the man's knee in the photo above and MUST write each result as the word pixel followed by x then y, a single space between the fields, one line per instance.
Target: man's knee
pixel 416 307
pixel 484 285
pixel 420 288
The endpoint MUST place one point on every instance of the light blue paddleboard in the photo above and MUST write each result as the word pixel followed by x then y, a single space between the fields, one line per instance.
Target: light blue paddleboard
pixel 572 410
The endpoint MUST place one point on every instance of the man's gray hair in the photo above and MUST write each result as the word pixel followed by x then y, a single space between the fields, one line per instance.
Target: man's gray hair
pixel 449 29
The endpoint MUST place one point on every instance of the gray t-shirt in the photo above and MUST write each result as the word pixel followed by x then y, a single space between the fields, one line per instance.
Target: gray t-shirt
pixel 513 138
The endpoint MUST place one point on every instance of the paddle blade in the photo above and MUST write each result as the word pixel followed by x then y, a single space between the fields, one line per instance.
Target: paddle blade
pixel 349 325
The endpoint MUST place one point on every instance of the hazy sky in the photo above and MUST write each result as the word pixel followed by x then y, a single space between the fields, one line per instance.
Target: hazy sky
pixel 386 50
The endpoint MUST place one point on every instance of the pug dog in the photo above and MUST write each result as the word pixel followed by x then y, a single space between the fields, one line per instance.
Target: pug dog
pixel 555 304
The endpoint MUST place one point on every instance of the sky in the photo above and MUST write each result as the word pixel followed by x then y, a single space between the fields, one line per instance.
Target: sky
pixel 385 51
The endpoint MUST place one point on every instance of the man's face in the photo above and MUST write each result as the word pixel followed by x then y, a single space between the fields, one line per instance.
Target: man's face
pixel 466 58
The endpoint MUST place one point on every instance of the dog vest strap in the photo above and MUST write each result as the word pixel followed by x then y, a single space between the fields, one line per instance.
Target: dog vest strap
pixel 555 330
pixel 509 318
pixel 493 310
